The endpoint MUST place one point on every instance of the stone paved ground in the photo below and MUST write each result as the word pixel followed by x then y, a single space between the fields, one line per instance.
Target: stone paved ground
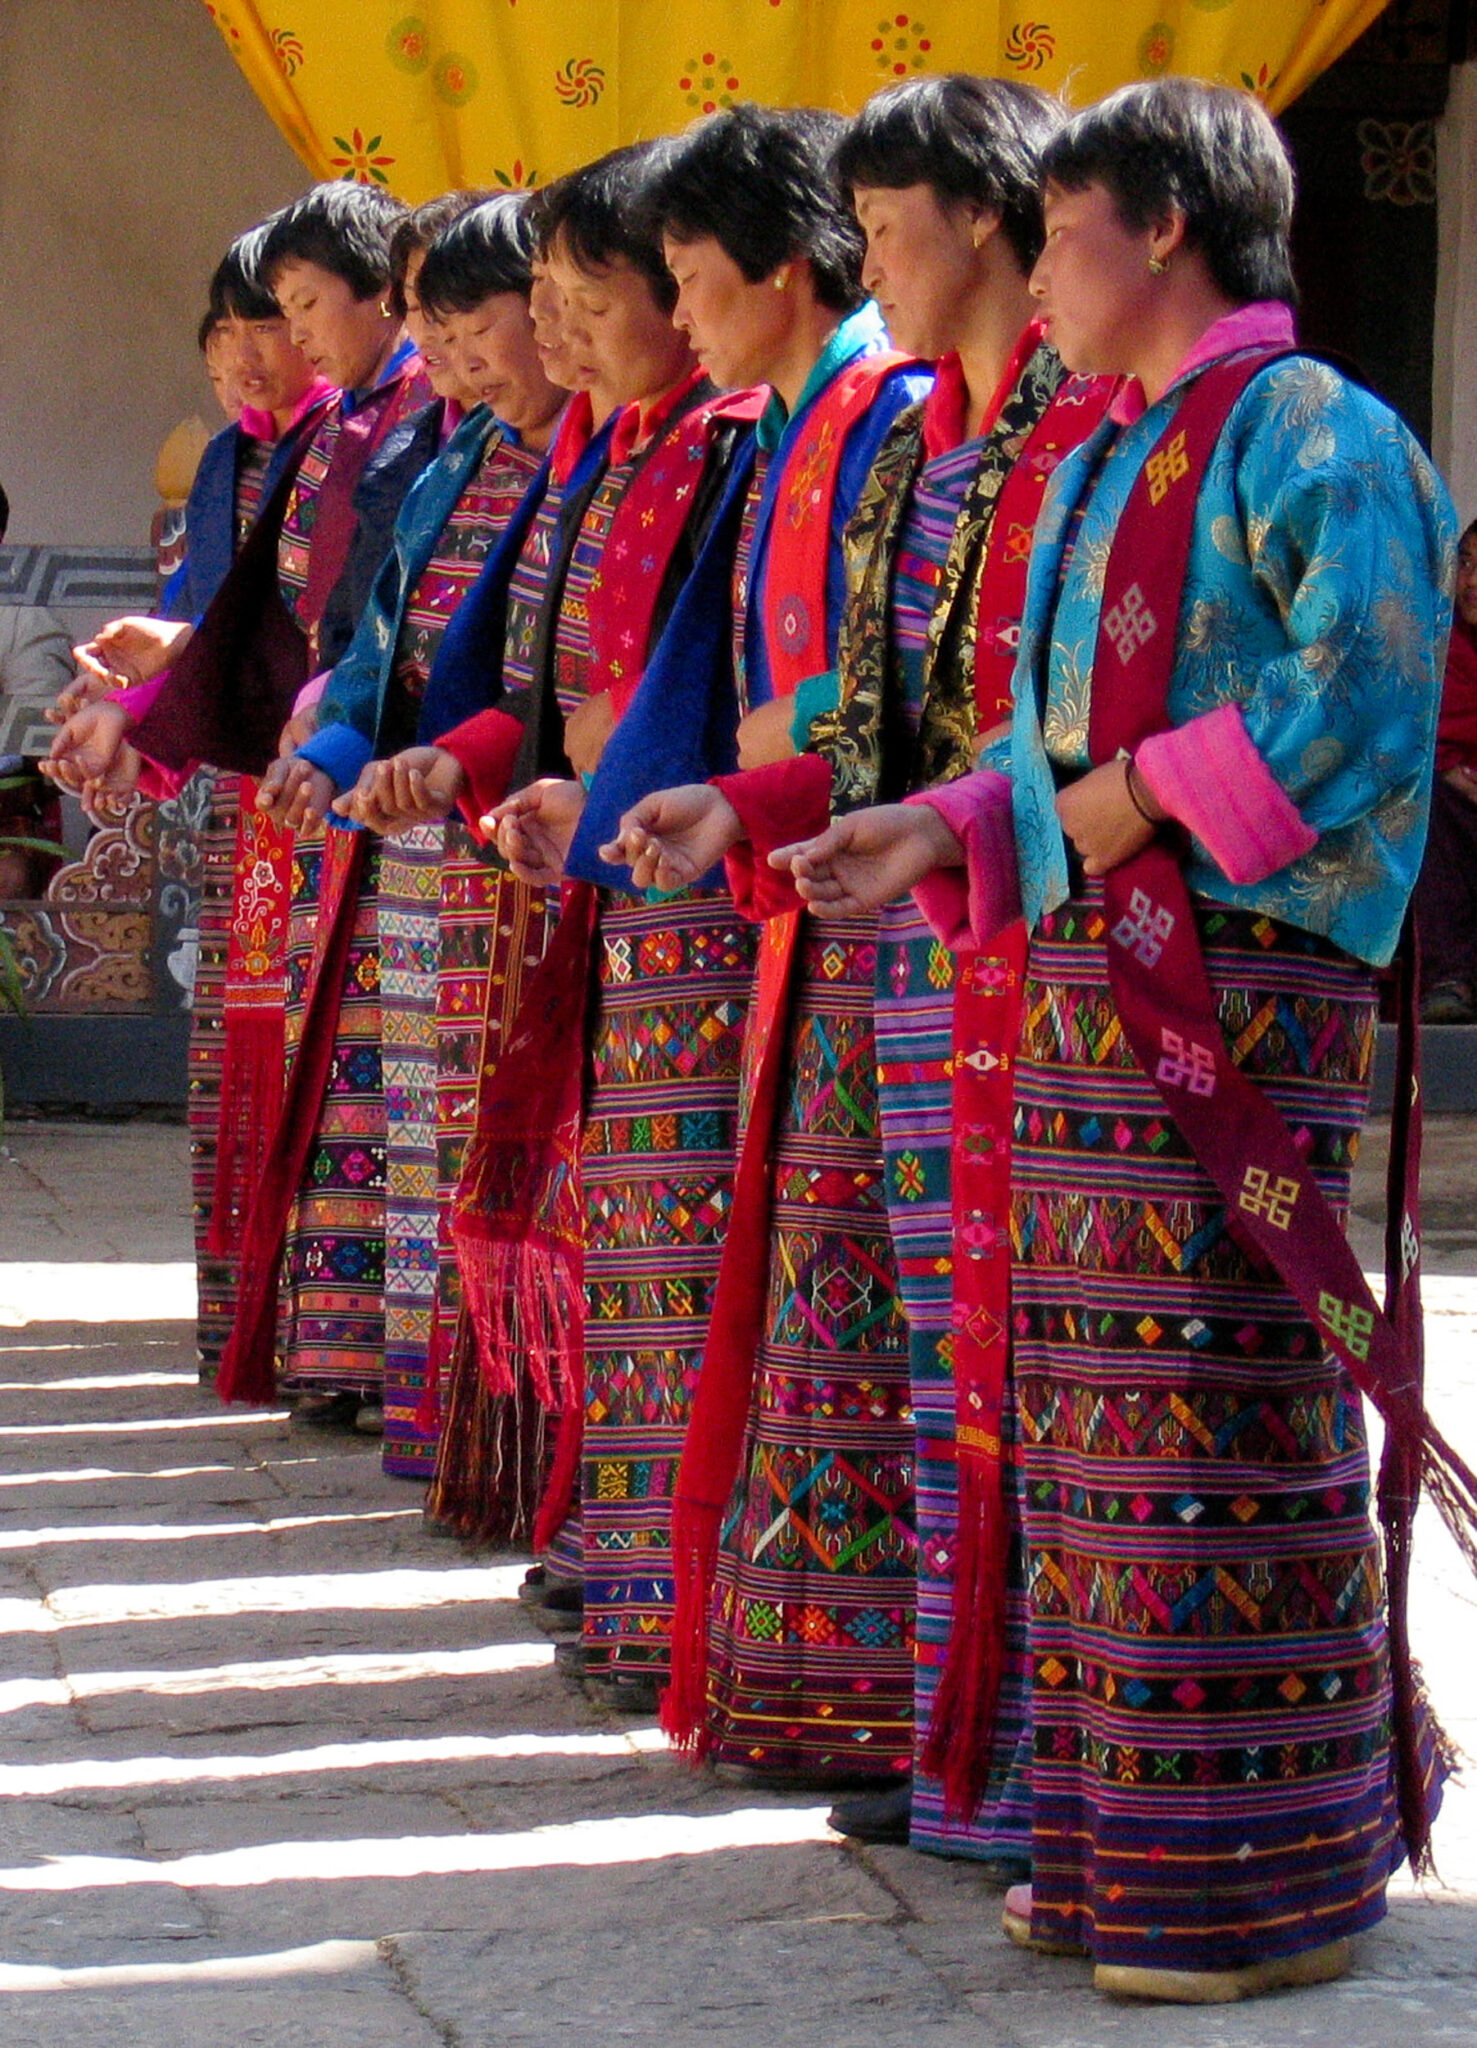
pixel 280 1770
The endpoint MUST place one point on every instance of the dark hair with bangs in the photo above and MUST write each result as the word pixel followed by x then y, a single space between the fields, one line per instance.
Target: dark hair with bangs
pixel 600 214
pixel 762 182
pixel 418 229
pixel 487 249
pixel 210 322
pixel 343 227
pixel 1209 152
pixel 969 139
pixel 237 289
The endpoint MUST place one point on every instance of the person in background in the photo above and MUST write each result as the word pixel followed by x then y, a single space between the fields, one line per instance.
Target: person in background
pixel 1446 895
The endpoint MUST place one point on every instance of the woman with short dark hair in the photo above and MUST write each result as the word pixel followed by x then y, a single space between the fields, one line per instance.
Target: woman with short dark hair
pixel 1218 772
pixel 801 1668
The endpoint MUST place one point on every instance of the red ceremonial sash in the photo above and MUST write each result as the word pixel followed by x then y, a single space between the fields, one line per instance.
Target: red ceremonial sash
pixel 1159 984
pixel 986 1032
pixel 793 617
pixel 253 1022
pixel 517 1220
pixel 248 1366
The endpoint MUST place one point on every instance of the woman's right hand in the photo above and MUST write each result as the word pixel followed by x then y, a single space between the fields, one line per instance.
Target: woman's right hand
pixel 133 650
pixel 294 793
pixel 85 750
pixel 417 787
pixel 671 839
pixel 868 858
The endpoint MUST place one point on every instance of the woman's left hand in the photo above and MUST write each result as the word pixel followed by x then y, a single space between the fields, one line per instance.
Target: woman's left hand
pixel 1101 819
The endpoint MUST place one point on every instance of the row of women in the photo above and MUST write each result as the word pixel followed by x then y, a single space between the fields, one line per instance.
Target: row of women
pixel 874 717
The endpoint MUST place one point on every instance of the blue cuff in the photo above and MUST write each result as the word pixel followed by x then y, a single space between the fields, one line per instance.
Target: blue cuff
pixel 816 694
pixel 341 752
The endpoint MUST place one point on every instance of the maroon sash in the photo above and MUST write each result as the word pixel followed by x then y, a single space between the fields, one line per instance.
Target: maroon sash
pixel 1159 984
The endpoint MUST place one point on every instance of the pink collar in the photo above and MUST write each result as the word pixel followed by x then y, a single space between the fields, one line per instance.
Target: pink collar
pixel 262 427
pixel 1266 323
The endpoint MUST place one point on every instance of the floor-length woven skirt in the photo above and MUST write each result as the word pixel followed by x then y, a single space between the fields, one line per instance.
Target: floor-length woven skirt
pixel 215 1272
pixel 491 1449
pixel 658 1164
pixel 409 899
pixel 1212 1774
pixel 915 1055
pixel 811 1644
pixel 333 1319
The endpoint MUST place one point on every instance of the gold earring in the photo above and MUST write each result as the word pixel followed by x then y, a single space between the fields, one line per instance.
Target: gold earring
pixel 781 279
pixel 1157 266
pixel 384 309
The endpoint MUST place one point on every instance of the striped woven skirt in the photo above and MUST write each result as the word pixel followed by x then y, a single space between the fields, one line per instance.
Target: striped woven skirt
pixel 1212 1772
pixel 333 1322
pixel 658 1165
pixel 811 1644
pixel 915 1056
pixel 490 1454
pixel 409 898
pixel 215 1272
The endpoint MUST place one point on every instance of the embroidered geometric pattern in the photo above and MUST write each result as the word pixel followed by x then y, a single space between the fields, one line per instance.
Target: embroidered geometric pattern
pixel 1205 1588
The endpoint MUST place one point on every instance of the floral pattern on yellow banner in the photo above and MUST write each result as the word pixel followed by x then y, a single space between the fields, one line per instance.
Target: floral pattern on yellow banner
pixel 426 95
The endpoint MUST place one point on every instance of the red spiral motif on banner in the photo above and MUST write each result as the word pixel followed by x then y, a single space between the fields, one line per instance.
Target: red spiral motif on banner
pixel 580 82
pixel 1029 45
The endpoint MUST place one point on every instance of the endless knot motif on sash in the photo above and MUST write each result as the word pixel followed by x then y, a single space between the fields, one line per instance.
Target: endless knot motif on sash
pixel 1410 1245
pixel 1184 1065
pixel 1263 1196
pixel 1166 468
pixel 1145 929
pixel 1347 1323
pixel 1130 623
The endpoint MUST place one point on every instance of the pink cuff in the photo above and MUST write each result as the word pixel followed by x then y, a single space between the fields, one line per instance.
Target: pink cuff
pixel 138 698
pixel 966 906
pixel 777 805
pixel 311 692
pixel 1209 776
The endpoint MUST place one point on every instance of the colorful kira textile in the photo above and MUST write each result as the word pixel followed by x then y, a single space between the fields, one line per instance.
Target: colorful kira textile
pixel 333 1315
pixel 408 900
pixel 917 1019
pixel 490 1447
pixel 427 576
pixel 658 1157
pixel 811 1642
pixel 1212 1777
pixel 215 1277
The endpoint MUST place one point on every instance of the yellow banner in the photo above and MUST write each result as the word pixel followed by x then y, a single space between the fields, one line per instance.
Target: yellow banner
pixel 424 96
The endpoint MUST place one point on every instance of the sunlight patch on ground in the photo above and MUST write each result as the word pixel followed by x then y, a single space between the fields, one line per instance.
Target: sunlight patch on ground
pixel 300 1593
pixel 148 1425
pixel 167 1532
pixel 585 1844
pixel 96 1291
pixel 321 1959
pixel 49 1781
pixel 287 1674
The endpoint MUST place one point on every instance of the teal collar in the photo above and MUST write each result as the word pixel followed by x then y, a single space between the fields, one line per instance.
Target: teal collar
pixel 860 333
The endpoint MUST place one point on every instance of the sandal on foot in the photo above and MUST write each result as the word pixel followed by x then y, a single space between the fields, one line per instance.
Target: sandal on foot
pixel 1016 1920
pixel 1223 1987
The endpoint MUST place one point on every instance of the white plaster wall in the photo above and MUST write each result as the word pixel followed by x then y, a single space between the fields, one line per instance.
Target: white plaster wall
pixel 131 151
pixel 1454 411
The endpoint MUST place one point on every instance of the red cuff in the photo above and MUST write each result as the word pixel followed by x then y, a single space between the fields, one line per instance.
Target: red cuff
pixel 777 805
pixel 486 745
